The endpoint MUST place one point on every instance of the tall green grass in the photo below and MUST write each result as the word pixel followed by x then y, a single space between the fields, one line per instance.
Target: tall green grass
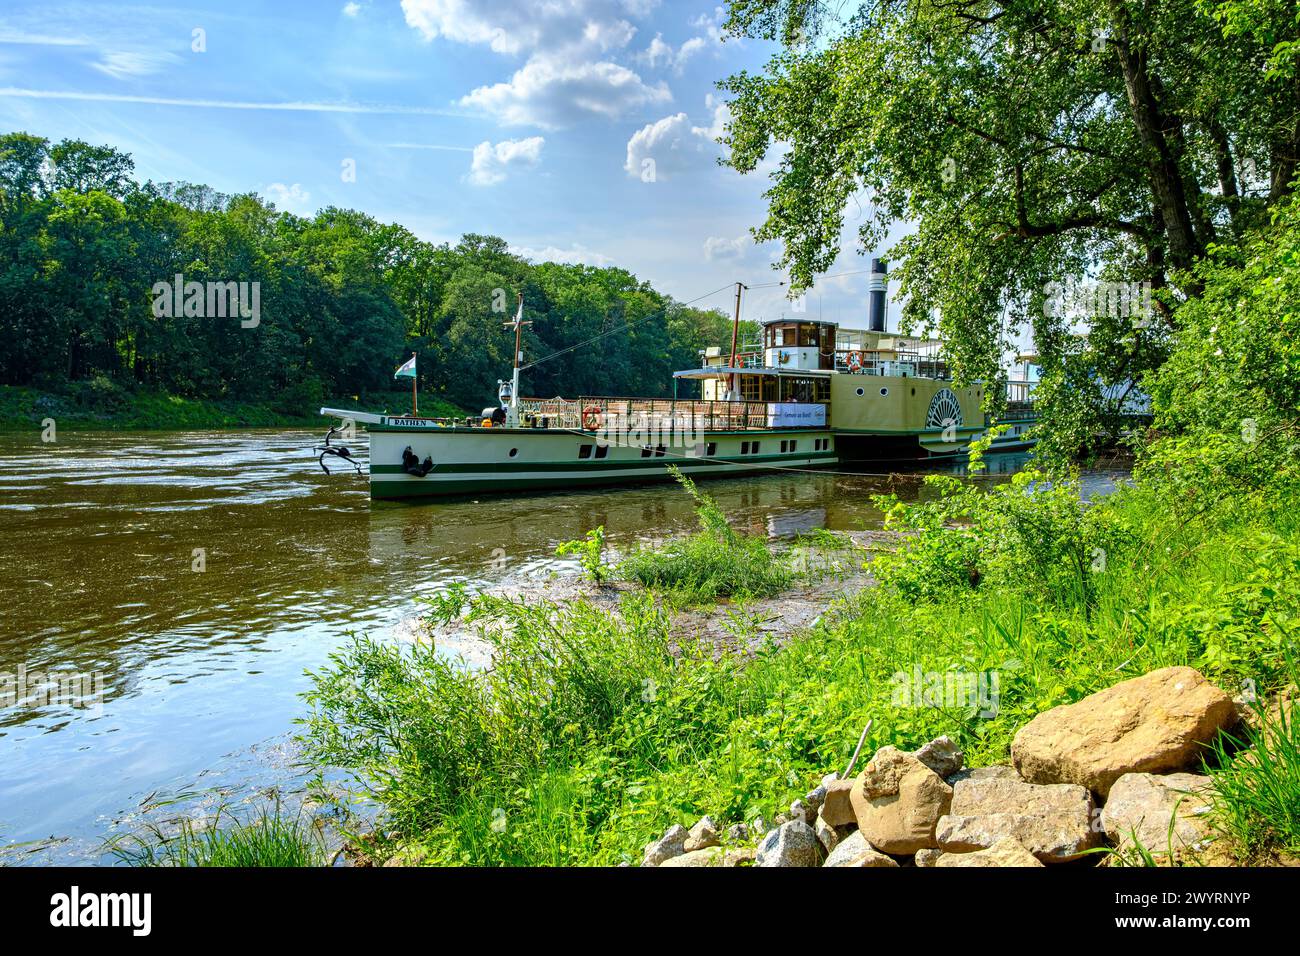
pixel 715 562
pixel 270 839
pixel 588 736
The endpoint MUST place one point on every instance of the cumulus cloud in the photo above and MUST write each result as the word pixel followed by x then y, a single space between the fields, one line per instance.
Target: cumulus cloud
pixel 569 49
pixel 721 248
pixel 351 9
pixel 292 199
pixel 552 93
pixel 673 145
pixel 661 55
pixel 577 254
pixel 491 164
pixel 518 26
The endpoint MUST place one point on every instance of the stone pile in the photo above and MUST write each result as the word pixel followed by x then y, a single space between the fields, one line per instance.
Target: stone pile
pixel 1112 769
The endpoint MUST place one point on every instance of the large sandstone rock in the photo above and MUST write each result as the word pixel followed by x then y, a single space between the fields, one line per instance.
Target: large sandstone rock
pixel 1006 852
pixel 711 856
pixel 671 844
pixel 1053 821
pixel 702 836
pixel 791 844
pixel 854 850
pixel 897 801
pixel 1142 805
pixel 941 755
pixel 837 808
pixel 1151 724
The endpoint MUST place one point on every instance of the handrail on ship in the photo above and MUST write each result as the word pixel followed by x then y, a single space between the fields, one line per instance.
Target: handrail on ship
pixel 658 415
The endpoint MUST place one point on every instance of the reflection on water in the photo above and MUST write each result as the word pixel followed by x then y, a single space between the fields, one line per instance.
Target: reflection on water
pixel 199 575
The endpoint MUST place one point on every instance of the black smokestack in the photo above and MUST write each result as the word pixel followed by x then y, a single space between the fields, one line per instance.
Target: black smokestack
pixel 876 306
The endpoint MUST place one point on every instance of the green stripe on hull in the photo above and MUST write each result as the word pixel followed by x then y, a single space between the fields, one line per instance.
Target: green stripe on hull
pixel 481 483
pixel 595 464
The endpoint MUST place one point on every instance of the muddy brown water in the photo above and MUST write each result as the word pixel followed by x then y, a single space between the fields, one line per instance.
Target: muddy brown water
pixel 191 579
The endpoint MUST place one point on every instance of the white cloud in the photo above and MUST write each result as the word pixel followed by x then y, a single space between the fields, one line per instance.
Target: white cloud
pixel 674 144
pixel 292 199
pixel 122 64
pixel 661 54
pixel 351 9
pixel 578 254
pixel 491 163
pixel 553 93
pixel 519 26
pixel 719 248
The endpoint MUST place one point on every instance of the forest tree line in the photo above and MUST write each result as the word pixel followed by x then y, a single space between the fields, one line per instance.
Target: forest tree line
pixel 344 298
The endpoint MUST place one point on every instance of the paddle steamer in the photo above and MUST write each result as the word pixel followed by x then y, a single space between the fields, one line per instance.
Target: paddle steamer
pixel 808 395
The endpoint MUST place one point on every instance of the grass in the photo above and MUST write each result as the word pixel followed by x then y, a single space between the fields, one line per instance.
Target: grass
pixel 1259 788
pixel 715 562
pixel 588 737
pixel 270 839
pixel 102 405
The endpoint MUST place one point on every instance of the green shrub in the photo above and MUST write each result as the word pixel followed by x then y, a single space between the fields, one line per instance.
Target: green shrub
pixel 715 562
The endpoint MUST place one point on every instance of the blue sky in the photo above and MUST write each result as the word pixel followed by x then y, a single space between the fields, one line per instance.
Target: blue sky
pixel 533 121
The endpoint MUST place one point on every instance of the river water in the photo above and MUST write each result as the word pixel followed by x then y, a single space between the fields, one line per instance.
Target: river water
pixel 192 579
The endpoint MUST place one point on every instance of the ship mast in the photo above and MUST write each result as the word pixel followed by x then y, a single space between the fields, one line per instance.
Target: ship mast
pixel 734 391
pixel 512 413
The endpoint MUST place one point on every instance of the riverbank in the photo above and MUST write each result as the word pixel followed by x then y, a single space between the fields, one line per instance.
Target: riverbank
pixel 597 728
pixel 101 405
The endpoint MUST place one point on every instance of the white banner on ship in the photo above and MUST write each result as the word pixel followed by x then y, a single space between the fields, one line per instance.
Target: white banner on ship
pixel 795 414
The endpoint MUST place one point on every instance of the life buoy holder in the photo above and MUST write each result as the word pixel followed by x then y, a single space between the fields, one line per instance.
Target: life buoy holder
pixel 855 361
pixel 592 418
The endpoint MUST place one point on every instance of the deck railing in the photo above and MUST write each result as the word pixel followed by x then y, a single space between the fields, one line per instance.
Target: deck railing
pixel 630 416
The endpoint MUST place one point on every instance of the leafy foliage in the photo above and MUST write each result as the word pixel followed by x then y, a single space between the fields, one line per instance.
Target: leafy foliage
pixel 344 299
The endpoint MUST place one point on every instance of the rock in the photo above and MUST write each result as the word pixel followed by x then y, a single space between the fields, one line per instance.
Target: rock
pixel 760 828
pixel 791 844
pixel 801 811
pixel 1052 821
pixel 827 835
pixel 854 850
pixel 671 844
pixel 1006 852
pixel 1141 806
pixel 814 799
pixel 782 819
pixel 830 778
pixel 837 808
pixel 710 856
pixel 897 801
pixel 740 856
pixel 1156 723
pixel 737 833
pixel 927 857
pixel 703 835
pixel 941 755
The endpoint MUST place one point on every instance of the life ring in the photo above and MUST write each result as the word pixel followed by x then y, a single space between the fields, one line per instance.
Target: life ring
pixel 855 361
pixel 592 418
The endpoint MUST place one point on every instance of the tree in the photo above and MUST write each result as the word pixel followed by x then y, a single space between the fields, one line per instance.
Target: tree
pixel 1030 142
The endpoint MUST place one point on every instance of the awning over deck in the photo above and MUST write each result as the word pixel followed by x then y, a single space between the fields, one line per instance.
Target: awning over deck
pixel 724 371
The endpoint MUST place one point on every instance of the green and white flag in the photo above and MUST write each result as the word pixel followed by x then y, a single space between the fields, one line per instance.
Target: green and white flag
pixel 406 369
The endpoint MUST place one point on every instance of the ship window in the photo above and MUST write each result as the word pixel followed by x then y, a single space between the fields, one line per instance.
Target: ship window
pixel 659 451
pixel 645 451
pixel 584 451
pixel 602 451
pixel 513 452
pixel 861 392
pixel 793 444
pixel 783 446
pixel 711 448
pixel 744 448
pixel 753 447
pixel 884 391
